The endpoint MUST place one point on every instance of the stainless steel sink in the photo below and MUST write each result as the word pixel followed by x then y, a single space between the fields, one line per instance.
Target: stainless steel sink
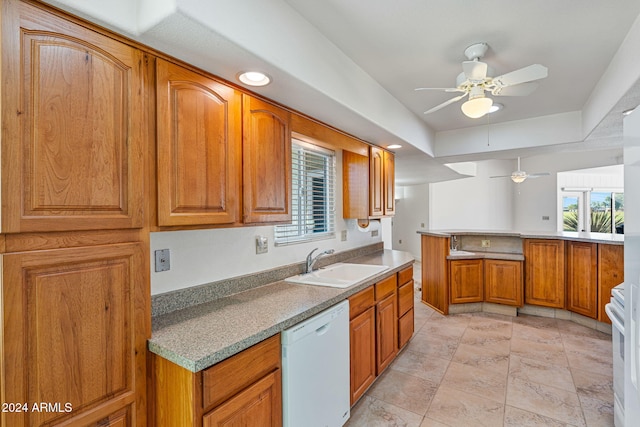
pixel 340 275
pixel 455 253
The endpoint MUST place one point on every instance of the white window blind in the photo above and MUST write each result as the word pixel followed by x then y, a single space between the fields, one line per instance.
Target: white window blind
pixel 313 172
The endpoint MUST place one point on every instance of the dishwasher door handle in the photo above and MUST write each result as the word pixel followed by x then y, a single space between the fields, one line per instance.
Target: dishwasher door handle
pixel 323 329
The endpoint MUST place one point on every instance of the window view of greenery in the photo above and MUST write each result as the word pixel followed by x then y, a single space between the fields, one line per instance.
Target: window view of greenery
pixel 606 213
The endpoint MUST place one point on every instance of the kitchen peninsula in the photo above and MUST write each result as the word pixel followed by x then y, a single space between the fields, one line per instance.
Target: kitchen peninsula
pixel 553 274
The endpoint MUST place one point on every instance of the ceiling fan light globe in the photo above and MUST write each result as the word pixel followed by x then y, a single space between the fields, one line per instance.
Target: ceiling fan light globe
pixel 476 107
pixel 518 177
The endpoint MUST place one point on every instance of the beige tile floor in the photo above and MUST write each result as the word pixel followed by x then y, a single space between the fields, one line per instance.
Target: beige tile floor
pixel 489 370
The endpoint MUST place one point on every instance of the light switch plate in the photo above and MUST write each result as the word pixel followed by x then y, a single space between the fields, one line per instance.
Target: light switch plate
pixel 343 235
pixel 262 245
pixel 163 260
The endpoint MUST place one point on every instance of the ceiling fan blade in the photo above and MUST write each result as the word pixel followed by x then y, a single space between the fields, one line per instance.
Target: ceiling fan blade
pixel 521 89
pixel 444 104
pixel 501 176
pixel 537 175
pixel 445 89
pixel 474 71
pixel 523 75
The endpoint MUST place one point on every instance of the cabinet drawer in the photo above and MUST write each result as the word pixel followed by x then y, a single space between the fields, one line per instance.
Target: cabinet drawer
pixel 405 275
pixel 261 404
pixel 386 287
pixel 238 372
pixel 361 301
pixel 405 298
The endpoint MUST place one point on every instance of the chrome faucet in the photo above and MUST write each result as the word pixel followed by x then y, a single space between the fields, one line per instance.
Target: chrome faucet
pixel 311 260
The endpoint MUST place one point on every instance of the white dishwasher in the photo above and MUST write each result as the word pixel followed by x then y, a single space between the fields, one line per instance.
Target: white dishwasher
pixel 315 370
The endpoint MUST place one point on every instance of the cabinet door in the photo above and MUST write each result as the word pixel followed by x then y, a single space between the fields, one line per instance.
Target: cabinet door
pixel 362 337
pixel 435 272
pixel 73 126
pixel 266 162
pixel 503 282
pixel 376 182
pixel 389 184
pixel 610 274
pixel 467 281
pixel 259 405
pixel 582 278
pixel 199 132
pixel 544 279
pixel 405 328
pixel 74 331
pixel 386 332
pixel 355 185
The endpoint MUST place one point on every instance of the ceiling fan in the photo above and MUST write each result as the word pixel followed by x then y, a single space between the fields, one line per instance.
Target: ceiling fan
pixel 473 81
pixel 519 175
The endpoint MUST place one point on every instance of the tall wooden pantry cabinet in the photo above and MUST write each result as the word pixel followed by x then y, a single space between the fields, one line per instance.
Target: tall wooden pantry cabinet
pixel 74 279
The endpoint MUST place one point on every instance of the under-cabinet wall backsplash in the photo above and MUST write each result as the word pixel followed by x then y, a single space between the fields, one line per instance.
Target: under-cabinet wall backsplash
pixel 204 256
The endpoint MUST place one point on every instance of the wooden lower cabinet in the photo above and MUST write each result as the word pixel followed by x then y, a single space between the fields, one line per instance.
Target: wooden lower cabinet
pixel 243 390
pixel 610 274
pixel 74 324
pixel 544 272
pixel 386 332
pixel 503 282
pixel 466 281
pixel 405 306
pixel 435 272
pixel 362 337
pixel 258 405
pixel 381 322
pixel 582 278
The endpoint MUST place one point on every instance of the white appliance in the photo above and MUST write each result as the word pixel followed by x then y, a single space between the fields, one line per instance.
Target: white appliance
pixel 315 370
pixel 615 311
pixel 631 130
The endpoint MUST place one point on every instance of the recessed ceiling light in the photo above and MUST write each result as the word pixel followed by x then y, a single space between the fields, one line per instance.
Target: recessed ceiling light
pixel 254 78
pixel 394 146
pixel 495 107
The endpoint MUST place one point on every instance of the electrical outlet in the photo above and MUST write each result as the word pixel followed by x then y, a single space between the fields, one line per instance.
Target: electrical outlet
pixel 422 225
pixel 545 217
pixel 400 241
pixel 163 258
pixel 262 245
pixel 486 243
pixel 343 235
pixel 374 233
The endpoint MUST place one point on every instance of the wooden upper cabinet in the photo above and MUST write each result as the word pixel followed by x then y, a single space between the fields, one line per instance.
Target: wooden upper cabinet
pixel 75 331
pixel 199 136
pixel 266 162
pixel 544 272
pixel 389 184
pixel 582 278
pixel 73 126
pixel 610 274
pixel 376 182
pixel 355 185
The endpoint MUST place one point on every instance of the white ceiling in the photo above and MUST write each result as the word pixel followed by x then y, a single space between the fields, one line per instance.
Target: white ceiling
pixel 354 64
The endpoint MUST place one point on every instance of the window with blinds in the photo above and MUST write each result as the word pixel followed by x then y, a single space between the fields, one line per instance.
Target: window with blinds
pixel 313 173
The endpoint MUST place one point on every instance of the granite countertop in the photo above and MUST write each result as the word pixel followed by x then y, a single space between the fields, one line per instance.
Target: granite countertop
pixel 202 335
pixel 615 239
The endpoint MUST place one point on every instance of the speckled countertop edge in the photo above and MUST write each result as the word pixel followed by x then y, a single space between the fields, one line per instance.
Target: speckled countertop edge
pixel 202 335
pixel 613 239
pixel 488 255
